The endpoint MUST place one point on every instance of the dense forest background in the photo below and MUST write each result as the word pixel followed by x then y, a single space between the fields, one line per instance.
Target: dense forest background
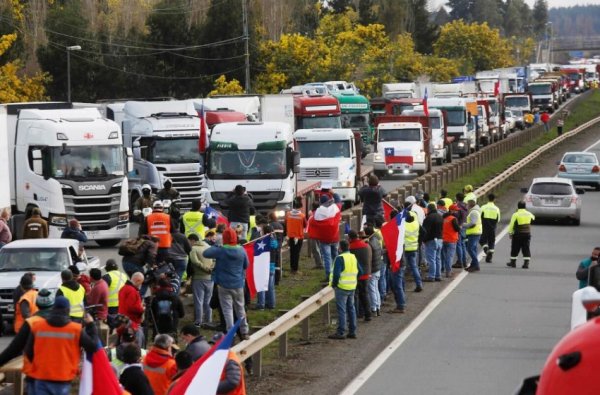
pixel 187 48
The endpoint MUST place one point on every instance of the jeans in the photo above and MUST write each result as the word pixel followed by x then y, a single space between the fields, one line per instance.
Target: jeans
pixel 329 251
pixel 344 301
pixel 295 248
pixel 233 225
pixel 232 300
pixel 315 251
pixel 433 250
pixel 472 244
pixel 383 283
pixel 269 295
pixel 374 297
pixel 180 266
pixel 129 268
pixel 364 307
pixel 202 290
pixel 398 287
pixel 448 250
pixel 410 260
pixel 42 387
pixel 461 250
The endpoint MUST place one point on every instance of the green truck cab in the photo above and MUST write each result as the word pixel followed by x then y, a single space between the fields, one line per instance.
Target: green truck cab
pixel 355 114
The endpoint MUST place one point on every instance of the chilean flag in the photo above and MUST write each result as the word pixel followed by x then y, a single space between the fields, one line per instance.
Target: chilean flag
pixel 393 237
pixel 202 378
pixel 219 218
pixel 497 88
pixel 97 376
pixel 259 256
pixel 387 210
pixel 425 107
pixel 324 224
pixel 203 137
pixel 403 156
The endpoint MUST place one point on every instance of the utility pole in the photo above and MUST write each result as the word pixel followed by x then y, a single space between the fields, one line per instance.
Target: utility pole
pixel 246 43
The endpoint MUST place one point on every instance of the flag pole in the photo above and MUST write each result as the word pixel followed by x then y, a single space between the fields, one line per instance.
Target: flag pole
pixel 258 238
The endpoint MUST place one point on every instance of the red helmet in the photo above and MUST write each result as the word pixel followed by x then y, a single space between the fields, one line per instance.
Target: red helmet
pixel 573 365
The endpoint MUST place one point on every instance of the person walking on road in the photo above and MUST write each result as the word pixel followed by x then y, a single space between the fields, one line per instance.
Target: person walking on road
pixel 519 231
pixel 344 279
pixel 74 292
pixel 35 227
pixel 490 216
pixel 131 306
pixel 545 118
pixel 324 226
pixel 158 224
pixel 26 305
pixel 583 270
pixel 375 243
pixel 473 230
pixel 461 217
pixel 202 283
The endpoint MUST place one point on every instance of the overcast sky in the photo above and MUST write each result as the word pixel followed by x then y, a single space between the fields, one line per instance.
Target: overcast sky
pixel 551 3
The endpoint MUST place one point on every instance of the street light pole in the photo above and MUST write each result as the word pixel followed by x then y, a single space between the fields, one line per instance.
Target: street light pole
pixel 69 49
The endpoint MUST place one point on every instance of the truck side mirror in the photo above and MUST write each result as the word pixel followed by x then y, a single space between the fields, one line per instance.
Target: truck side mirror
pixel 137 150
pixel 296 161
pixel 38 166
pixel 129 157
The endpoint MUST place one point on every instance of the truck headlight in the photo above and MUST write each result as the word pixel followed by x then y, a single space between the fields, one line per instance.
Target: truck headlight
pixel 378 157
pixel 280 213
pixel 124 217
pixel 57 220
pixel 344 184
pixel 461 144
pixel 437 146
pixel 419 157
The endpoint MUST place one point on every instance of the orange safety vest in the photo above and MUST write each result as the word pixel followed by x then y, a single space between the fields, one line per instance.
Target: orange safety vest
pixel 26 361
pixel 241 388
pixel 29 297
pixel 159 225
pixel 160 376
pixel 52 344
pixel 449 235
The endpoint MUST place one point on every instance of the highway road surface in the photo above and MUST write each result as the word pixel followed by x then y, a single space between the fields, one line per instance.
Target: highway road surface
pixel 495 327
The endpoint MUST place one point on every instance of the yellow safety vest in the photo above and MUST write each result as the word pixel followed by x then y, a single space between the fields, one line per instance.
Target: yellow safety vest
pixel 448 202
pixel 192 223
pixel 490 211
pixel 521 217
pixel 117 281
pixel 477 229
pixel 251 226
pixel 349 277
pixel 470 196
pixel 411 236
pixel 75 300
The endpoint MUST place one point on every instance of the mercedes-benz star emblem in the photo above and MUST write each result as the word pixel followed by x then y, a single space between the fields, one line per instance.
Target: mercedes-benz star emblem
pixel 317 173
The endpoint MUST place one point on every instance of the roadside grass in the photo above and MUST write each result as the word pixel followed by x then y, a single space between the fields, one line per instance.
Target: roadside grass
pixel 584 112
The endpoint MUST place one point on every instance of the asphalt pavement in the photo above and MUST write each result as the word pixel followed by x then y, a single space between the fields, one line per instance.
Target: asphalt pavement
pixel 497 326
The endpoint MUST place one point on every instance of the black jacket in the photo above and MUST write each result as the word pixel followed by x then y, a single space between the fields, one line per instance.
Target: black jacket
pixel 135 381
pixel 239 208
pixel 376 251
pixel 145 255
pixel 371 198
pixel 167 323
pixel 433 225
pixel 180 246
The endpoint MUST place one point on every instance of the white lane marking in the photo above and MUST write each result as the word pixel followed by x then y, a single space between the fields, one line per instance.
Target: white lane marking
pixel 366 373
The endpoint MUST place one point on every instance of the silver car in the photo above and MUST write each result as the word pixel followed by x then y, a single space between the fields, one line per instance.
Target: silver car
pixel 580 167
pixel 554 198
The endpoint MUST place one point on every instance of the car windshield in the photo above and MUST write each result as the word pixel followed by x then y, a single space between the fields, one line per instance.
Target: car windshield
pixel 355 121
pixel 580 158
pixel 399 135
pixel 457 117
pixel 540 89
pixel 551 188
pixel 324 149
pixel 320 122
pixel 519 101
pixel 38 259
pixel 96 161
pixel 172 150
pixel 242 164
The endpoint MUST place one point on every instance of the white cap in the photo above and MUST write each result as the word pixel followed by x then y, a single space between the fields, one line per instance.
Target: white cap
pixel 146 186
pixel 326 184
pixel 410 199
pixel 157 204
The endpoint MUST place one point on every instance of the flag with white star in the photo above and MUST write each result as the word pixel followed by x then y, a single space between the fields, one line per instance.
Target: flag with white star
pixel 259 258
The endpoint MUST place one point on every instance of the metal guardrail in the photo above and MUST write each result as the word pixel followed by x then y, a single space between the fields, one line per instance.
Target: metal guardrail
pixel 448 173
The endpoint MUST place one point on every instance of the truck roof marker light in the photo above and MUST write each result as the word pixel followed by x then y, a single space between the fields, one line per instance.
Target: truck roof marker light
pixel 61 136
pixel 113 135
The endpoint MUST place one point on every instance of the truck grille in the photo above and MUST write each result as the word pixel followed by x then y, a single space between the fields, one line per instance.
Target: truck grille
pixel 94 212
pixel 6 299
pixel 188 184
pixel 321 173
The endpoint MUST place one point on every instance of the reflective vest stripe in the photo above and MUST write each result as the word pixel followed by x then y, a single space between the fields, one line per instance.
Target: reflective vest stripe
pixel 75 299
pixel 159 369
pixel 192 223
pixel 117 281
pixel 56 335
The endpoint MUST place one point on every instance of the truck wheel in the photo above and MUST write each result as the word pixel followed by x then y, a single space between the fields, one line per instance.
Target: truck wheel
pixel 108 242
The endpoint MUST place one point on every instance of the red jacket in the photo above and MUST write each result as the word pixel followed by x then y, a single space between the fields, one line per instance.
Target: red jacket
pixel 130 304
pixel 545 117
pixel 99 296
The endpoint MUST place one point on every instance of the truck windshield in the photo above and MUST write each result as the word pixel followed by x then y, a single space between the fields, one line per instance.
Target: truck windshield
pixel 399 135
pixel 574 76
pixel 493 107
pixel 355 121
pixel 86 161
pixel 435 123
pixel 324 149
pixel 544 89
pixel 172 150
pixel 319 122
pixel 590 76
pixel 247 164
pixel 516 102
pixel 36 260
pixel 456 117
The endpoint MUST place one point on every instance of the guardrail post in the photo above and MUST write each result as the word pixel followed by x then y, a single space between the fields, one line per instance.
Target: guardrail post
pixel 257 363
pixel 409 189
pixel 306 322
pixel 416 186
pixel 427 183
pixel 326 314
pixel 283 345
pixel 401 196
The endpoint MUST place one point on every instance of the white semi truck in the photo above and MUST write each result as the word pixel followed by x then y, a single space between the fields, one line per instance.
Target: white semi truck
pixel 400 90
pixel 460 112
pixel 69 163
pixel 164 138
pixel 257 155
pixel 4 166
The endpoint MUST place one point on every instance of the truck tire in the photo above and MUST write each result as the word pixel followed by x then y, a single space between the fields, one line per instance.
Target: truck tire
pixel 108 242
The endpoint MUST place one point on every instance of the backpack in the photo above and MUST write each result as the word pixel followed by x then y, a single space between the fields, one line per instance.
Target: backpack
pixel 130 247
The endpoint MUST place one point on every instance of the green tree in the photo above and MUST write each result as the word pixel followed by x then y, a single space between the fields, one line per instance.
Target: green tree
pixel 540 17
pixel 424 32
pixel 487 11
pixel 366 12
pixel 460 9
pixel 475 46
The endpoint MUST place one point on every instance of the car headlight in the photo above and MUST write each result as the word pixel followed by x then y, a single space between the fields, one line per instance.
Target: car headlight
pixel 118 184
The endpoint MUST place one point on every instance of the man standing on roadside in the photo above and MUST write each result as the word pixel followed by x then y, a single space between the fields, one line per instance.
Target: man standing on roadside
pixel 344 280
pixel 583 270
pixel 490 216
pixel 473 230
pixel 364 256
pixel 545 118
pixel 433 243
pixel 520 235
pixel 461 217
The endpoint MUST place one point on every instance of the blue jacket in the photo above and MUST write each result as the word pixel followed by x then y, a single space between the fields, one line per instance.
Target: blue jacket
pixel 74 233
pixel 230 265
